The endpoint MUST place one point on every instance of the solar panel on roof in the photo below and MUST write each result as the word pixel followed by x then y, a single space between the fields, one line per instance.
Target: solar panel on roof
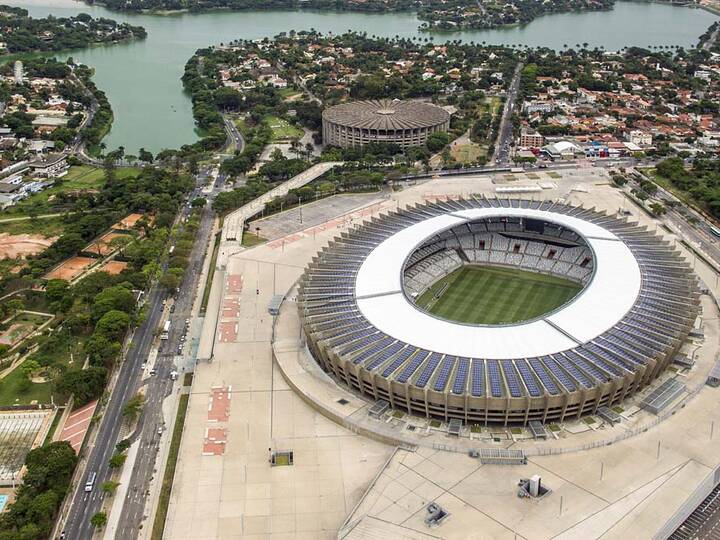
pixel 544 376
pixel 384 355
pixel 528 379
pixel 565 379
pixel 401 358
pixel 461 376
pixel 495 378
pixel 511 379
pixel 406 373
pixel 574 371
pixel 444 374
pixel 478 378
pixel 424 377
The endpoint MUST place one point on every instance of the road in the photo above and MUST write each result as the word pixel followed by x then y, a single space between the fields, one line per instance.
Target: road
pixel 505 131
pixel 84 505
pixel 235 140
pixel 160 386
pixel 678 216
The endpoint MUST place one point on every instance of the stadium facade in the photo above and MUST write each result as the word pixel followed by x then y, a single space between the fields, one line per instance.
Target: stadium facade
pixel 357 306
pixel 407 123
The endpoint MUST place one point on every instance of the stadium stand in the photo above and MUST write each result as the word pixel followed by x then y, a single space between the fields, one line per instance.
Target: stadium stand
pixel 601 371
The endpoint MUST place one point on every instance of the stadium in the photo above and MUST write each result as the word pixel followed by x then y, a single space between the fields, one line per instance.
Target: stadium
pixel 496 311
pixel 406 123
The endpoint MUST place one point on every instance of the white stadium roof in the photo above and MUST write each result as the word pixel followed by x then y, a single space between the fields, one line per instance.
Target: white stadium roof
pixel 606 299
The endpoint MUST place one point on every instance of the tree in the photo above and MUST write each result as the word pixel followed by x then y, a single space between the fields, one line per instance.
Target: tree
pixel 56 289
pixel 437 141
pixel 657 208
pixel 29 367
pixel 48 472
pixel 85 385
pixel 117 461
pixel 132 408
pixel 145 156
pixel 113 298
pixel 98 520
pixel 102 351
pixel 110 486
pixel 192 163
pixel 169 281
pixel 113 324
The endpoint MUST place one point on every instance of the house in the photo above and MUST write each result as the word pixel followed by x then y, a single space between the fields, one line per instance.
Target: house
pixel 6 188
pixel 562 150
pixel 639 138
pixel 49 167
pixel 538 106
pixel 531 139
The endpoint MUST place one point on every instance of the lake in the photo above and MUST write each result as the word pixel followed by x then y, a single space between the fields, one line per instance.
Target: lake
pixel 142 79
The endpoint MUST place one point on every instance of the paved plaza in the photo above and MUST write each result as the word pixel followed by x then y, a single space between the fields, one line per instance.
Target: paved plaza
pixel 358 477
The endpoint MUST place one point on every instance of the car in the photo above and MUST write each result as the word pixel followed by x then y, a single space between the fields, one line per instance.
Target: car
pixel 159 430
pixel 153 371
pixel 142 366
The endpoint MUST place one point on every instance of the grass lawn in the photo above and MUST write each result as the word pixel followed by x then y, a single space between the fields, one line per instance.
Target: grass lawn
pixel 494 295
pixel 467 153
pixel 14 390
pixel 282 129
pixel 289 91
pixel 251 240
pixel 78 178
pixel 46 227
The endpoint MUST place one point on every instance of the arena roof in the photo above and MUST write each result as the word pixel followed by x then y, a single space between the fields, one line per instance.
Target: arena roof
pixel 604 301
pixel 385 114
pixel 639 302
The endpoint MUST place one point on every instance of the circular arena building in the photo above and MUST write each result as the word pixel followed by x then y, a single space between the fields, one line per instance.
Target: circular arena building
pixel 407 123
pixel 497 311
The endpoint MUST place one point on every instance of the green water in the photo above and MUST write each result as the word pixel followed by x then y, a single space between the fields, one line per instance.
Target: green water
pixel 142 79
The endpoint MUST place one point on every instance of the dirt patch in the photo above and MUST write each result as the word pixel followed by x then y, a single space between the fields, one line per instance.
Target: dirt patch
pixel 114 267
pixel 70 269
pixel 104 245
pixel 20 246
pixel 129 222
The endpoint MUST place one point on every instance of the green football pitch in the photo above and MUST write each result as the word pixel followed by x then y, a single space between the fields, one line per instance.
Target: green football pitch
pixel 494 295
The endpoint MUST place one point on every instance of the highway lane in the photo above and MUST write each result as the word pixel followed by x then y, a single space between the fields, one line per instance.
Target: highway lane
pixel 160 386
pixel 236 141
pixel 84 505
pixel 505 131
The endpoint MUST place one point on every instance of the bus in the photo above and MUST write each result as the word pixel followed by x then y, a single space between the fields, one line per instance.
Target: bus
pixel 166 330
pixel 90 482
